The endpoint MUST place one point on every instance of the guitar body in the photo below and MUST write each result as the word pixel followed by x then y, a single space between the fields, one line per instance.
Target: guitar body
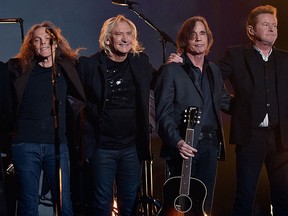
pixel 176 204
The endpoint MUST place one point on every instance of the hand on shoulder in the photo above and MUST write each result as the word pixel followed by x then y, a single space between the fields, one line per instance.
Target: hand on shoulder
pixel 175 57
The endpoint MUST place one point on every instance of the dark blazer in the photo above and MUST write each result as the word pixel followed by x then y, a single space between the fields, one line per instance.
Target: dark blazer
pixel 175 91
pixel 238 66
pixel 92 73
pixel 3 86
pixel 17 82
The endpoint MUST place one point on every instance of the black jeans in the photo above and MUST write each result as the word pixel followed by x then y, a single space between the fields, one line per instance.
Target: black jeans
pixel 204 166
pixel 262 149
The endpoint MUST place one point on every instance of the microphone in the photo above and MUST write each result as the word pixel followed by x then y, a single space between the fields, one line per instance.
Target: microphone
pixel 50 31
pixel 124 2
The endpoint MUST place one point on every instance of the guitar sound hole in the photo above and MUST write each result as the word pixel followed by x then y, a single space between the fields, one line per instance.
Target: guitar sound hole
pixel 183 203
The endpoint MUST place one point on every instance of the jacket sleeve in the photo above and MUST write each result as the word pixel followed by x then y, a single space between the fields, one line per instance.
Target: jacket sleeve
pixel 3 91
pixel 164 94
pixel 6 112
pixel 226 65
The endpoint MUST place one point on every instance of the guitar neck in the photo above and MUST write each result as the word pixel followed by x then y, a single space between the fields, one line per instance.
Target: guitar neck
pixel 187 164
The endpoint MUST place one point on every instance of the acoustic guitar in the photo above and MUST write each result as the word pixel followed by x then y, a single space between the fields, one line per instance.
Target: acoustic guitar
pixel 185 195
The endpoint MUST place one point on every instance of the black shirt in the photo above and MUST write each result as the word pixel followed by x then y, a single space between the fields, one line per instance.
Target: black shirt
pixel 119 115
pixel 35 122
pixel 208 118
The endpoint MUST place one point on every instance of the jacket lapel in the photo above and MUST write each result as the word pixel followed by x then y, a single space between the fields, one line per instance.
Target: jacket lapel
pixel 210 75
pixel 19 85
pixel 73 77
pixel 249 58
pixel 188 68
pixel 279 68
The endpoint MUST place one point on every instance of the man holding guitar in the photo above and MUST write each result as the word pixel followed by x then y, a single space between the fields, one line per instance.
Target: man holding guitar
pixel 197 83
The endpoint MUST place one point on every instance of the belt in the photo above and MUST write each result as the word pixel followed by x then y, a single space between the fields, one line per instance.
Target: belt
pixel 207 135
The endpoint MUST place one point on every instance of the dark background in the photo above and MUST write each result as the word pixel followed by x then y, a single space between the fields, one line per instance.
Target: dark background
pixel 81 21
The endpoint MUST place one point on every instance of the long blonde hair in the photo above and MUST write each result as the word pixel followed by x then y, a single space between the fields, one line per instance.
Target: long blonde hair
pixel 107 29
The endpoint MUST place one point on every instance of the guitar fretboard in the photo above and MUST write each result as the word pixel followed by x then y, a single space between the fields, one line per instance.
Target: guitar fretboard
pixel 186 166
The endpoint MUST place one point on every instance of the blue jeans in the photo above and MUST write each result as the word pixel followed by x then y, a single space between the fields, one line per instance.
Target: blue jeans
pixel 28 160
pixel 122 166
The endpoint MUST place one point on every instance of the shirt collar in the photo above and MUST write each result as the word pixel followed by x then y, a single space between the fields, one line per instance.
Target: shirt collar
pixel 265 58
pixel 189 62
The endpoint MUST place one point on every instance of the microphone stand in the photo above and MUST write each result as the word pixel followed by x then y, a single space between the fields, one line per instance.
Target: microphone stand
pixel 21 28
pixel 55 113
pixel 164 37
pixel 149 206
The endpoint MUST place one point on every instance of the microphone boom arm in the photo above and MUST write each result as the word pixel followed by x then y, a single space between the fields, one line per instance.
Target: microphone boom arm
pixel 15 20
pixel 164 37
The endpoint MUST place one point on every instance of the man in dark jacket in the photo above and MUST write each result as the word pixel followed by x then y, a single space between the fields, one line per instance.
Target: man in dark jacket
pixel 116 82
pixel 30 114
pixel 198 83
pixel 259 126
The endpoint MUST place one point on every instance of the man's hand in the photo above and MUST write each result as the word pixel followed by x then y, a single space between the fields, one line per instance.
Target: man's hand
pixel 174 57
pixel 185 150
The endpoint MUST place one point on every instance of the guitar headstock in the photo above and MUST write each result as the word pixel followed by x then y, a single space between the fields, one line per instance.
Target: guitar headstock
pixel 191 116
